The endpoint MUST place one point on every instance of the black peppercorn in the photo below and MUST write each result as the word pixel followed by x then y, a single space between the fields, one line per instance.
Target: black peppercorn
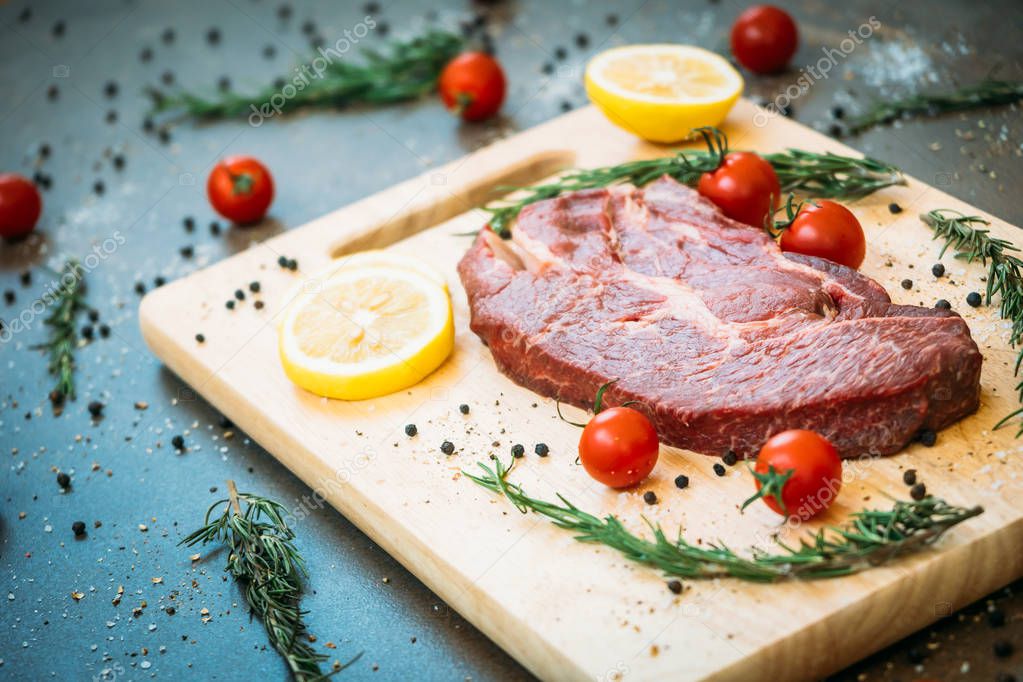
pixel 93 315
pixel 118 162
pixel 96 408
pixel 730 458
pixel 681 481
pixel 104 330
pixel 254 287
pixel 178 442
pixel 189 223
pixel 167 36
pixel 63 480
pixel 239 294
pixel 560 53
pixel 292 264
pixel 942 304
pixel 541 449
pixel 229 305
pixel 140 288
pixel 258 305
pixel 907 284
pixel 214 228
pixel 447 447
pixel 78 528
pixel 213 36
pixel 909 477
pixel 200 338
pixel 186 251
pixel 837 112
pixel 518 450
pixel 411 430
pixel 675 586
pixel 146 54
pixel 650 497
pixel 87 332
pixel 973 298
pixel 719 469
pixel 894 208
pixel 282 261
pixel 918 492
pixel 463 408
pixel 159 281
pixel 927 437
pixel 938 270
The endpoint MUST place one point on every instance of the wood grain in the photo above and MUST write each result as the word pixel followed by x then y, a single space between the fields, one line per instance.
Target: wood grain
pixel 564 609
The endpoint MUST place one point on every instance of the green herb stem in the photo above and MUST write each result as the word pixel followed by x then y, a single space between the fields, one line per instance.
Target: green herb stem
pixel 406 71
pixel 870 538
pixel 68 300
pixel 970 242
pixel 822 175
pixel 989 92
pixel 264 559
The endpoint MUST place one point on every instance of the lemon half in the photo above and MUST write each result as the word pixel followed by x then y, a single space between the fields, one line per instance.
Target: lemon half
pixel 366 331
pixel 662 92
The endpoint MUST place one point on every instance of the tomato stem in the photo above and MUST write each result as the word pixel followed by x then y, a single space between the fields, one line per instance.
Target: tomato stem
pixel 241 183
pixel 772 483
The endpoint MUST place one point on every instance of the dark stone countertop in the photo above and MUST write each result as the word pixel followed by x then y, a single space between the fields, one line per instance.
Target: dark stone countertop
pixel 125 473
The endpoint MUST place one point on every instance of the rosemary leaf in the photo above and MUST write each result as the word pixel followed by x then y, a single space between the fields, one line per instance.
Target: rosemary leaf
pixel 870 538
pixel 406 71
pixel 989 92
pixel 970 242
pixel 821 175
pixel 263 558
pixel 68 300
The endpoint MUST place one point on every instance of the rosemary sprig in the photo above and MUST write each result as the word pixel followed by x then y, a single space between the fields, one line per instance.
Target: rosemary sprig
pixel 407 70
pixel 67 301
pixel 989 92
pixel 264 559
pixel 1004 273
pixel 870 538
pixel 823 175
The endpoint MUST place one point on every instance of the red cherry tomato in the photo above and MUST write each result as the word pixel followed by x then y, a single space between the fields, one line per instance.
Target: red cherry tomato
pixel 619 447
pixel 20 206
pixel 745 187
pixel 764 38
pixel 815 478
pixel 827 230
pixel 240 189
pixel 472 85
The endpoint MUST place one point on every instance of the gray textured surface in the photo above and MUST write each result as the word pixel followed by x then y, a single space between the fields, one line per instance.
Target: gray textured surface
pixel 321 161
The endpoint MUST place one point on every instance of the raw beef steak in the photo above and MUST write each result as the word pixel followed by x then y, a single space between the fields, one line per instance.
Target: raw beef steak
pixel 703 320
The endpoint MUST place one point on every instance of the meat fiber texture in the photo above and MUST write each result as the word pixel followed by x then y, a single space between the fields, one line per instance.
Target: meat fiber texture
pixel 722 338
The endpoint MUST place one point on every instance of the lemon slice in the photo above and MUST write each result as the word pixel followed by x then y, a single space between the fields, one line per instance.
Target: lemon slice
pixel 662 92
pixel 366 331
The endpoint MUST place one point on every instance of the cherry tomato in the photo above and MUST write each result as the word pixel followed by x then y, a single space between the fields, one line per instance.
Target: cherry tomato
pixel 472 85
pixel 801 467
pixel 240 189
pixel 745 187
pixel 827 230
pixel 20 206
pixel 764 38
pixel 619 447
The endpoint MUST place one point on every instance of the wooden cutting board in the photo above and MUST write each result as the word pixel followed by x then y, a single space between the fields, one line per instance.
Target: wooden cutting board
pixel 566 610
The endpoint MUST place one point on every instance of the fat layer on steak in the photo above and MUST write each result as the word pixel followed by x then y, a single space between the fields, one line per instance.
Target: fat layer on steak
pixel 723 338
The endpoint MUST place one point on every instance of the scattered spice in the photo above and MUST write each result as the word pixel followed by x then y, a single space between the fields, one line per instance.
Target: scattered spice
pixel 78 528
pixel 411 430
pixel 918 492
pixel 730 458
pixel 541 449
pixel 463 408
pixel 909 477
pixel 681 481
pixel 938 270
pixel 894 208
pixel 650 497
pixel 518 450
pixel 719 469
pixel 907 284
pixel 447 447
pixel 63 480
pixel 675 586
pixel 973 299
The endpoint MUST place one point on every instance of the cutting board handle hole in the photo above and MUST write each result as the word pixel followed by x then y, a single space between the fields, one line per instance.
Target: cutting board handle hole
pixel 450 191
